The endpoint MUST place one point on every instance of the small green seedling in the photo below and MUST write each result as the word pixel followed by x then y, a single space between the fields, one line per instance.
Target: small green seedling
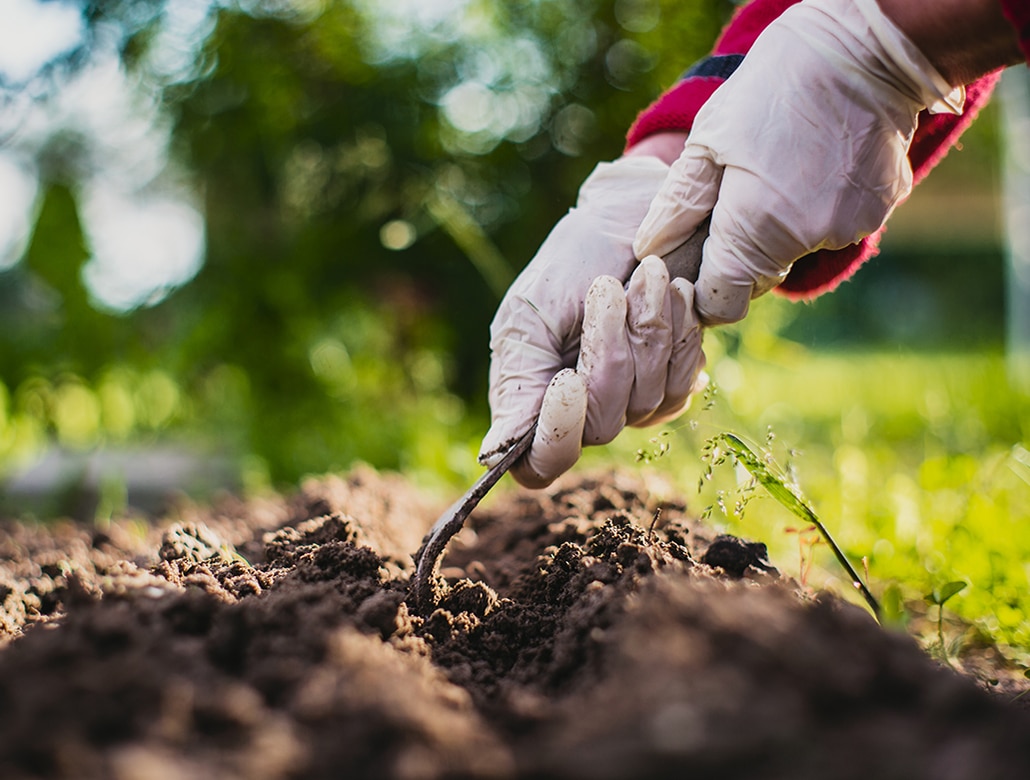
pixel 728 445
pixel 939 597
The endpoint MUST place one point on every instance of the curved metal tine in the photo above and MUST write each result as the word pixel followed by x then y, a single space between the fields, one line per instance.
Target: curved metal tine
pixel 450 522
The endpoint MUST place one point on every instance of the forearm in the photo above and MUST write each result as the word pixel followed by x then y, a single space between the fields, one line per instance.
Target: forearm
pixel 963 39
pixel 666 146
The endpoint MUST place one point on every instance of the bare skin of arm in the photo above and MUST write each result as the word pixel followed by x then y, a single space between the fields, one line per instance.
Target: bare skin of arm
pixel 963 39
pixel 665 146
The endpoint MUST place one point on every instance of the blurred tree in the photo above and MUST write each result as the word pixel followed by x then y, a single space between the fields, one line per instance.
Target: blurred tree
pixel 372 178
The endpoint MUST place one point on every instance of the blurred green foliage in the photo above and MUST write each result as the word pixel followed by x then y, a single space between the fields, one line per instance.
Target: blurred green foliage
pixel 916 461
pixel 371 182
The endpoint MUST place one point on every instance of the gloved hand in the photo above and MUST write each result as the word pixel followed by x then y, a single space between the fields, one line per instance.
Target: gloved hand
pixel 571 343
pixel 802 148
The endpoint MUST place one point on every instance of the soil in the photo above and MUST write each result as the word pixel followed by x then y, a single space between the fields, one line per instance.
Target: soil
pixel 580 633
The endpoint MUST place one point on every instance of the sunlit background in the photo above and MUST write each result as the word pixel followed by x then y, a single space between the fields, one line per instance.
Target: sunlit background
pixel 294 217
pixel 243 241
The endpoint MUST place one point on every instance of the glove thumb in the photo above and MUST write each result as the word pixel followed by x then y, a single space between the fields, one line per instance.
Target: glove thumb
pixel 559 432
pixel 684 201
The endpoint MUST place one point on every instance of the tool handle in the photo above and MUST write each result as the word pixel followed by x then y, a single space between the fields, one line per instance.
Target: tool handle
pixel 685 260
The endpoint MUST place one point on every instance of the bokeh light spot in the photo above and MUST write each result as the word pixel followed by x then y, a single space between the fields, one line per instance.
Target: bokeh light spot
pixel 397 234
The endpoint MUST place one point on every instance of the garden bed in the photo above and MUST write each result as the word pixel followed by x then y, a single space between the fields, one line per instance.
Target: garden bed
pixel 581 634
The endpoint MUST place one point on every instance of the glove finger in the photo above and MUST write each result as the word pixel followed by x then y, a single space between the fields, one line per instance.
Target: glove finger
pixel 649 331
pixel 686 198
pixel 685 375
pixel 605 360
pixel 559 432
pixel 750 247
pixel 523 362
pixel 673 408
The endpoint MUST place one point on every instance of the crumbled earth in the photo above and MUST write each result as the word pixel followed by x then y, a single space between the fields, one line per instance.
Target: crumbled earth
pixel 589 631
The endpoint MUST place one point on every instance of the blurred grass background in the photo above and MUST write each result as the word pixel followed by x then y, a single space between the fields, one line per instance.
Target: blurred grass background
pixel 247 241
pixel 915 462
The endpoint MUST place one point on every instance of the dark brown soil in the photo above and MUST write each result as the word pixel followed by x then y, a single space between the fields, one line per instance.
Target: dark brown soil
pixel 577 637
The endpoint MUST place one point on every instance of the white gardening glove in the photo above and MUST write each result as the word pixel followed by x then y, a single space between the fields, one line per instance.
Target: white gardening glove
pixel 803 148
pixel 632 358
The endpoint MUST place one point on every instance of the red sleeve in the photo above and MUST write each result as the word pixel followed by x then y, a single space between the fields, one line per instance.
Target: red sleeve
pixel 675 109
pixel 1018 12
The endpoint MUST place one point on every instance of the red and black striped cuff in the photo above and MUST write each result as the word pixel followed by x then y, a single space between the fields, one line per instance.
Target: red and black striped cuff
pixel 676 107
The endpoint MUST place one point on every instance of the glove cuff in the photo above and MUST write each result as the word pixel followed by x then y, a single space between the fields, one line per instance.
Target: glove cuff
pixel 930 87
pixel 618 193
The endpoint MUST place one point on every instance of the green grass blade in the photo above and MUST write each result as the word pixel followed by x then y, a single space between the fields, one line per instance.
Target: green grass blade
pixel 789 498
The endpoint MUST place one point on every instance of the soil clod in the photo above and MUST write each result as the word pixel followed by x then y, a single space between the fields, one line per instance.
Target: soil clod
pixel 735 556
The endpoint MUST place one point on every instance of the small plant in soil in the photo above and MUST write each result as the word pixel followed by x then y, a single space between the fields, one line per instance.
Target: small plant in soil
pixel 728 447
pixel 938 597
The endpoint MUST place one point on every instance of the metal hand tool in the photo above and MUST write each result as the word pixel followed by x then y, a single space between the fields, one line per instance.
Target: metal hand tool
pixel 685 262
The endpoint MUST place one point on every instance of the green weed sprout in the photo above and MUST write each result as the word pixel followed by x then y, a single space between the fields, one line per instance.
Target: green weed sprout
pixel 759 468
pixel 938 597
